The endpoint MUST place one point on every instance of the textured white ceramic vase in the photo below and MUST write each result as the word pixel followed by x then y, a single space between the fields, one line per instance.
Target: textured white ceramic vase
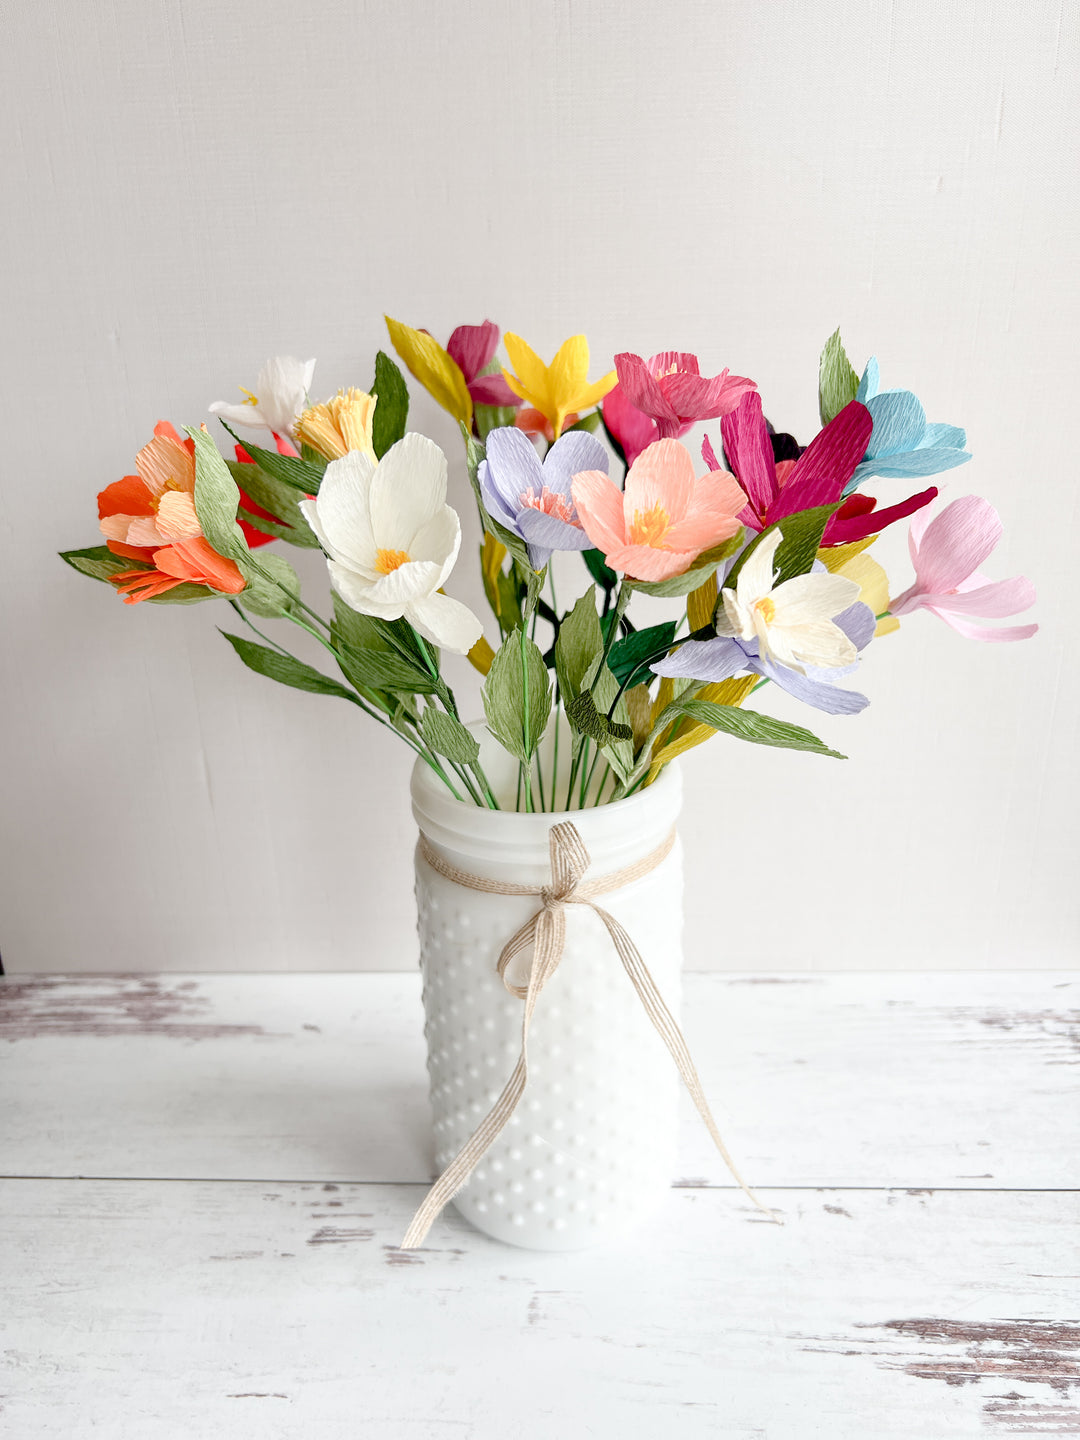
pixel 591 1149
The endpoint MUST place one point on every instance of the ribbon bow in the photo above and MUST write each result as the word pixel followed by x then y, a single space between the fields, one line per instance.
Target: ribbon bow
pixel 545 932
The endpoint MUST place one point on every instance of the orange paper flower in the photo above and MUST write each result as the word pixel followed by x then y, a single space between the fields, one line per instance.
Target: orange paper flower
pixel 151 517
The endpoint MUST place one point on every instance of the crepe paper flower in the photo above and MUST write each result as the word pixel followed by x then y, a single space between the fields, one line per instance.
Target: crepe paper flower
pixel 533 498
pixel 254 537
pixel 946 552
pixel 559 388
pixel 633 430
pixel 664 517
pixel 671 390
pixel 392 540
pixel 717 660
pixel 793 623
pixel 903 445
pixel 336 426
pixel 192 561
pixel 140 513
pixel 817 477
pixel 279 396
pixel 440 374
pixel 871 579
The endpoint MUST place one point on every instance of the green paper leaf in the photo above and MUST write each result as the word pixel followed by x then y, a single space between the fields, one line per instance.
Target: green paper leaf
pixel 837 380
pixel 598 568
pixel 378 654
pixel 750 725
pixel 582 713
pixel 99 562
pixel 706 564
pixel 627 656
pixel 493 417
pixel 578 646
pixel 273 585
pixel 281 500
pixel 302 475
pixel 285 669
pixel 798 549
pixel 392 410
pixel 216 498
pixel 447 736
pixel 517 695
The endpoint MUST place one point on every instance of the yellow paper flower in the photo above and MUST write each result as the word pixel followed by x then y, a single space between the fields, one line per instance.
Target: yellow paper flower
pixel 429 363
pixel 339 425
pixel 871 579
pixel 558 389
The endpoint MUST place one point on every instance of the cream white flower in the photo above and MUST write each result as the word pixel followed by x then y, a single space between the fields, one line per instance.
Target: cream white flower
pixel 392 540
pixel 793 623
pixel 279 396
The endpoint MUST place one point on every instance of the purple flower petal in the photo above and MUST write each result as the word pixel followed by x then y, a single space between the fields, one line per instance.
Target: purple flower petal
pixel 712 660
pixel 573 453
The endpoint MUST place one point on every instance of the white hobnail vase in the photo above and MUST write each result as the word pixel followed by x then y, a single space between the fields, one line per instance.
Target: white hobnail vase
pixel 591 1149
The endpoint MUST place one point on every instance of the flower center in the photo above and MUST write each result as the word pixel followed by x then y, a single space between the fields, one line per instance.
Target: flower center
pixel 649 527
pixel 250 397
pixel 387 561
pixel 766 608
pixel 673 369
pixel 550 502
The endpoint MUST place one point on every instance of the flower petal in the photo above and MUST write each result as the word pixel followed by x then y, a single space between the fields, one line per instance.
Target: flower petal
pixel 712 660
pixel 956 542
pixel 899 423
pixel 571 455
pixel 341 515
pixel 807 599
pixel 844 530
pixel 550 533
pixel 631 427
pixel 749 451
pixel 129 496
pixel 815 691
pixel 196 560
pixel 981 632
pixel 471 348
pixel 513 466
pixel 599 504
pixel 992 601
pixel 646 562
pixel 827 464
pixel 440 376
pixel 661 475
pixel 640 387
pixel 407 489
pixel 531 373
pixel 492 390
pixel 445 622
pixel 440 539
pixel 358 593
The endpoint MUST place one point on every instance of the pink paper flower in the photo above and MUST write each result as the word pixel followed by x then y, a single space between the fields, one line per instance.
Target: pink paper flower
pixel 664 518
pixel 670 389
pixel 946 553
pixel 472 348
pixel 632 429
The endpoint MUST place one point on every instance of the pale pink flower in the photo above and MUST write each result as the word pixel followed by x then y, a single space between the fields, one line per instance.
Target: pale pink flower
pixel 946 552
pixel 663 519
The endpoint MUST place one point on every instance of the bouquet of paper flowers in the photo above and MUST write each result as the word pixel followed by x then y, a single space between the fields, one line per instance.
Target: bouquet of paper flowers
pixel 764 553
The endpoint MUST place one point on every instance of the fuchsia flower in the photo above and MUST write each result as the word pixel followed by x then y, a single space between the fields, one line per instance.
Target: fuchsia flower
pixel 633 430
pixel 663 519
pixel 670 389
pixel 946 553
pixel 818 477
pixel 472 348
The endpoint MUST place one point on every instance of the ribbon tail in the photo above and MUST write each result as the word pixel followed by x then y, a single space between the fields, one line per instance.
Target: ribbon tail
pixel 549 928
pixel 668 1030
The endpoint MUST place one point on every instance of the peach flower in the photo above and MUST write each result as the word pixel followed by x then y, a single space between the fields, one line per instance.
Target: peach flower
pixel 664 517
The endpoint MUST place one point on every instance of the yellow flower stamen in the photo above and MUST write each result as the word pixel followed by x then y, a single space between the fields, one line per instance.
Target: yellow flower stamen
pixel 339 425
pixel 766 608
pixel 250 398
pixel 387 561
pixel 649 527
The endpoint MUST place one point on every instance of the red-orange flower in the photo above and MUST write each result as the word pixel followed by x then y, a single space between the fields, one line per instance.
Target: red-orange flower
pixel 151 517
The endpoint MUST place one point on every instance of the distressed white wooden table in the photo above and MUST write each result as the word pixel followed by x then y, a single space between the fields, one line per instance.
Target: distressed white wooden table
pixel 205 1180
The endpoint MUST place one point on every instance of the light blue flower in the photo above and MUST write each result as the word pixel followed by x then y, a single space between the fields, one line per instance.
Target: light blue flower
pixel 903 444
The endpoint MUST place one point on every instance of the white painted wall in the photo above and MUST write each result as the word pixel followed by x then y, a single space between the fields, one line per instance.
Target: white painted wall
pixel 191 187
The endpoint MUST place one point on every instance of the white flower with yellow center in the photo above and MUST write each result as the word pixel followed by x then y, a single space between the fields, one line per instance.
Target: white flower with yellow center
pixel 392 540
pixel 280 395
pixel 793 623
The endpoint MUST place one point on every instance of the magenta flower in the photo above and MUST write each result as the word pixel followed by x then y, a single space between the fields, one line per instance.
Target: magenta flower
pixel 632 430
pixel 472 347
pixel 670 389
pixel 946 553
pixel 817 477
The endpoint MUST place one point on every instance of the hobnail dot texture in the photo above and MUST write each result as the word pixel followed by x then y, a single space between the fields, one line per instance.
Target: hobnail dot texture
pixel 591 1149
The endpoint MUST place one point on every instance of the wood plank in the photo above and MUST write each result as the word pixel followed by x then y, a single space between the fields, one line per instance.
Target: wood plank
pixel 875 1079
pixel 193 1308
